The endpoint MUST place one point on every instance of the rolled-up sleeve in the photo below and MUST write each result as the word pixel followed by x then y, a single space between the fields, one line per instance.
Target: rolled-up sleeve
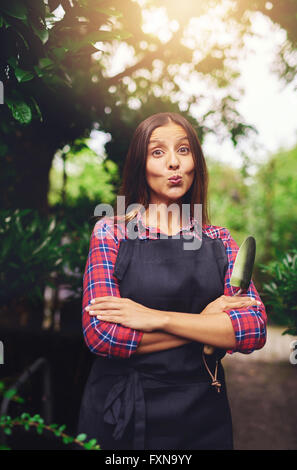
pixel 249 323
pixel 104 338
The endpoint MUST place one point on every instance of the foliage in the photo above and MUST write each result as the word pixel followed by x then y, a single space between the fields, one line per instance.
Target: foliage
pixel 74 259
pixel 42 50
pixel 40 251
pixel 282 290
pixel 228 198
pixel 27 421
pixel 57 82
pixel 30 252
pixel 7 423
pixel 263 205
pixel 87 177
pixel 11 394
pixel 282 13
pixel 272 199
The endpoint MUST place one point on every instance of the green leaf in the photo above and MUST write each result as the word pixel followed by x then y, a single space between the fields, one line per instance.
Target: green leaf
pixel 60 52
pixel 7 431
pixel 23 75
pixel 6 23
pixel 15 8
pixel 1 21
pixel 23 39
pixel 12 61
pixel 43 34
pixel 38 71
pixel 6 418
pixel 19 400
pixel 20 110
pixel 39 429
pixel 45 62
pixel 10 393
pixel 37 108
pixel 68 439
pixel 41 246
pixel 92 442
pixel 81 437
pixel 36 418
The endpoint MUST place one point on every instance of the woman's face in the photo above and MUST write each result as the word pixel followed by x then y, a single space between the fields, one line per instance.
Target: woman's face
pixel 168 155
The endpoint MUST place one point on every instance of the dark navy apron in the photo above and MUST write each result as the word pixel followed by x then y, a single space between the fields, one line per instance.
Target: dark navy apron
pixel 164 399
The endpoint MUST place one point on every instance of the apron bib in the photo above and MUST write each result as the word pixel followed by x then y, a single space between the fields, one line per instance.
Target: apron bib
pixel 162 400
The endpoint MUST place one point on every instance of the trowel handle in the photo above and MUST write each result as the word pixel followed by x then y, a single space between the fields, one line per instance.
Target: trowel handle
pixel 210 349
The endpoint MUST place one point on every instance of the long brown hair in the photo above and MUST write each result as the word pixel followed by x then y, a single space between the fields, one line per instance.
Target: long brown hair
pixel 134 185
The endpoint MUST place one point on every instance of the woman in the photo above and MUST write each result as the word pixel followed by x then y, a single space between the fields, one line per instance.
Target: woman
pixel 151 386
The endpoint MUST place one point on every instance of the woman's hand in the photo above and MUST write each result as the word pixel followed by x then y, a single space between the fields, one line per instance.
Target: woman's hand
pixel 226 302
pixel 126 312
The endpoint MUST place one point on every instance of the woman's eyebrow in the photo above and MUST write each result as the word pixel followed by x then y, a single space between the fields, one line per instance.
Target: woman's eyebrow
pixel 162 141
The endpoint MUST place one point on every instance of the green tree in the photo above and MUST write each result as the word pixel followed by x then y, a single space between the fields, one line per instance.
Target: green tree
pixel 273 201
pixel 282 13
pixel 228 198
pixel 57 85
pixel 57 81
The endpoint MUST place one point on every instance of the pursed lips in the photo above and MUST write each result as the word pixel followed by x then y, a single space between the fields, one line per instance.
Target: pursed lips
pixel 175 177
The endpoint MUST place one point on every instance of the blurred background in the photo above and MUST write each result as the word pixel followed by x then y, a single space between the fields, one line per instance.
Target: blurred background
pixel 77 76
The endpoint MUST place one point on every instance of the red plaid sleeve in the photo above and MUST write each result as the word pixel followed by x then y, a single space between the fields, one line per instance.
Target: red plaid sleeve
pixel 105 338
pixel 249 324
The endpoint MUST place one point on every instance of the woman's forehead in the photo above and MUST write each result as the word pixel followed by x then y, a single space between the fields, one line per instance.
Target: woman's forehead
pixel 168 130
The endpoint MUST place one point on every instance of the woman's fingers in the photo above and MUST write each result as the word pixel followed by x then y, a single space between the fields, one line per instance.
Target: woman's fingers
pixel 239 301
pixel 108 302
pixel 226 302
pixel 109 298
pixel 103 306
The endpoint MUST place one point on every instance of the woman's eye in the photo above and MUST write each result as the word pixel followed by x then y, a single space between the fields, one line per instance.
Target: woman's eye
pixel 159 152
pixel 184 149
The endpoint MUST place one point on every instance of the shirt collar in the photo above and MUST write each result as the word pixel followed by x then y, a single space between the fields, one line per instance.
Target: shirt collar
pixel 144 231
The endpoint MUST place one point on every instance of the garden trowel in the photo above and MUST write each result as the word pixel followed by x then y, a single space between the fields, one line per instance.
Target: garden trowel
pixel 241 273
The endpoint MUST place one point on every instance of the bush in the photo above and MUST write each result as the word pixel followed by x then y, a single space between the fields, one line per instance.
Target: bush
pixel 282 290
pixel 30 252
pixel 36 252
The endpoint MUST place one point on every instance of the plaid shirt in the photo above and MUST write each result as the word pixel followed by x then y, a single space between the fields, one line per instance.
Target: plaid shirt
pixel 114 340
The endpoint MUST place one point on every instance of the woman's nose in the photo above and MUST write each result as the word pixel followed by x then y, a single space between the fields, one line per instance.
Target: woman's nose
pixel 173 159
